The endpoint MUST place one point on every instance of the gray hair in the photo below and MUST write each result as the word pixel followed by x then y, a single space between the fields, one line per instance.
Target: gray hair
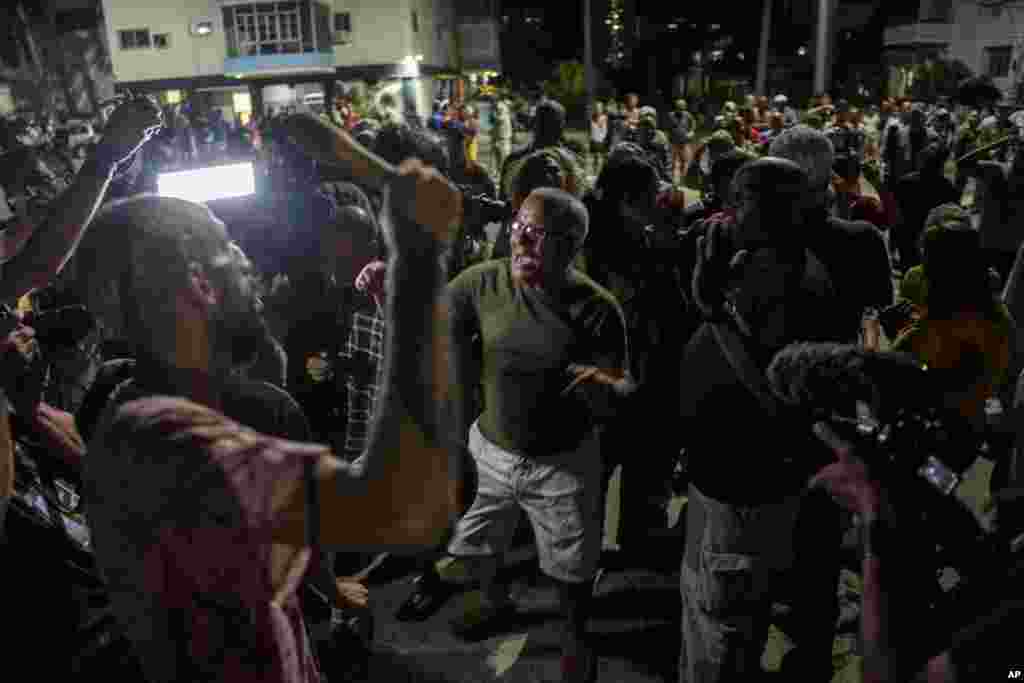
pixel 565 211
pixel 811 150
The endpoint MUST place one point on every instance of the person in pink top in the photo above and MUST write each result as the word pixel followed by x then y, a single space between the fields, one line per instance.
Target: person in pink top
pixel 203 527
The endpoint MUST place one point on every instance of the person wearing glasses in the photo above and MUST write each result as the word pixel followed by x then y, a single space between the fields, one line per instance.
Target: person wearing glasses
pixel 554 364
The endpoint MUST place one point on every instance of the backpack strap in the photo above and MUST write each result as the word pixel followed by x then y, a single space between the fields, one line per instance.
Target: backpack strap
pixel 742 362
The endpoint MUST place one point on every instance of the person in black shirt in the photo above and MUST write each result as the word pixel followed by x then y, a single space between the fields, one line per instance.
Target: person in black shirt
pixel 916 194
pixel 853 252
pixel 745 466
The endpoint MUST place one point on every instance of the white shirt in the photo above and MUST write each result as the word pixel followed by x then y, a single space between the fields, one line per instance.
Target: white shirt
pixel 599 131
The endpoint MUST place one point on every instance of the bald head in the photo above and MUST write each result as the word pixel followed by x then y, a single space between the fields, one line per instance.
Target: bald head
pixel 812 151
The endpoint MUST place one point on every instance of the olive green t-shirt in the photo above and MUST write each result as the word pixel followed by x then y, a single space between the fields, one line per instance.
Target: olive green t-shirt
pixel 528 341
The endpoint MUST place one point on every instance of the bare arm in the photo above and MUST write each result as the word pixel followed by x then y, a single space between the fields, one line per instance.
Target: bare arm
pixel 53 242
pixel 403 493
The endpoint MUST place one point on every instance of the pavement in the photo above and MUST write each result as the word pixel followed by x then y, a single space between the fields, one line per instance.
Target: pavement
pixel 635 625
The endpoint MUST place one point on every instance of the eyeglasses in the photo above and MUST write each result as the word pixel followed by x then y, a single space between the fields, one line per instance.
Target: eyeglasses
pixel 522 228
pixel 537 233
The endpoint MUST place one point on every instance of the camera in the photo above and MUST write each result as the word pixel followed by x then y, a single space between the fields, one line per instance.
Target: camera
pixel 480 209
pixel 847 166
pixel 56 327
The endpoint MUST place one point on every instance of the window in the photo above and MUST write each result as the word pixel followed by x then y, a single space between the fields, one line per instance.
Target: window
pixel 998 61
pixel 134 39
pixel 937 10
pixel 267 28
pixel 343 22
pixel 991 11
pixel 415 22
pixel 161 41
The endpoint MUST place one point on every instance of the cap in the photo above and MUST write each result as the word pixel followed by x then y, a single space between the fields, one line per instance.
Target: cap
pixel 780 99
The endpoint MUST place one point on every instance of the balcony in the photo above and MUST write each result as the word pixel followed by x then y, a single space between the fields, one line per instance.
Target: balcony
pixel 918 33
pixel 282 64
pixel 277 38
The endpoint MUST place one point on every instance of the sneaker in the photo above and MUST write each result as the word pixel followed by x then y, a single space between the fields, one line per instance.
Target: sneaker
pixel 428 597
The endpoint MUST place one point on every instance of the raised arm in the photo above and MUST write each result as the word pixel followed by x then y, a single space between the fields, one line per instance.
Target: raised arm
pixel 403 494
pixel 52 243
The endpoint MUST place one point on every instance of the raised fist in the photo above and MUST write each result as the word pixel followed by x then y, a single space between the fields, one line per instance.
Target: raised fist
pixel 130 126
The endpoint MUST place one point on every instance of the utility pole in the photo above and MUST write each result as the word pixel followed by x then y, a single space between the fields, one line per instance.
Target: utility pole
pixel 762 52
pixel 823 40
pixel 588 55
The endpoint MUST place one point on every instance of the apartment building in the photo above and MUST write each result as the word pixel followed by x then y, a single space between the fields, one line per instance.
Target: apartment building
pixel 250 56
pixel 986 35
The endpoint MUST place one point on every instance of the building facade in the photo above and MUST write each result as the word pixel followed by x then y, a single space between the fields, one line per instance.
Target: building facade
pixel 247 57
pixel 986 35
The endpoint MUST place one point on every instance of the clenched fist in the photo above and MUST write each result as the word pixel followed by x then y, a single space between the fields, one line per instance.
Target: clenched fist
pixel 372 280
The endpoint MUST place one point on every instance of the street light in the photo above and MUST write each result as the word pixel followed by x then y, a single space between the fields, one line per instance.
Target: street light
pixel 802 51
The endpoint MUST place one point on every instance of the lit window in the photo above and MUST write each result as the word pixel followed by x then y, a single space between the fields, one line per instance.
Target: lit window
pixel 134 39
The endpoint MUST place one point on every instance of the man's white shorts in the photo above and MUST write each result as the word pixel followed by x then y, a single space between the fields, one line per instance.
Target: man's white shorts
pixel 560 494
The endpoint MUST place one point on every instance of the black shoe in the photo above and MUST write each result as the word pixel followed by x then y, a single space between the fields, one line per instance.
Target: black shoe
pixel 428 597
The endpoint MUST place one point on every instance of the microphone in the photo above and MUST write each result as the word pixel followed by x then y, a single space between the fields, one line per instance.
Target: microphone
pixel 909 429
pixel 828 379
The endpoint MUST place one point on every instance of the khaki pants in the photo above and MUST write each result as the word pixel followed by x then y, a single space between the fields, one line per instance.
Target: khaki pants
pixel 738 561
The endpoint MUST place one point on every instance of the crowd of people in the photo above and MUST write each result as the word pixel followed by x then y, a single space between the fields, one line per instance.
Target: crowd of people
pixel 346 364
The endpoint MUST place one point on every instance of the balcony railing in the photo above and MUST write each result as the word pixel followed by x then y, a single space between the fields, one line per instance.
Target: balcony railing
pixel 918 33
pixel 277 37
pixel 267 65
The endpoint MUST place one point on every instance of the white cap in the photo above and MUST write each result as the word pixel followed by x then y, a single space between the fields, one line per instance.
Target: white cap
pixel 780 99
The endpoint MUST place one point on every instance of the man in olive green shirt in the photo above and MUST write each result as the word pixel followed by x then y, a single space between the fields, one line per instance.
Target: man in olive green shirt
pixel 553 365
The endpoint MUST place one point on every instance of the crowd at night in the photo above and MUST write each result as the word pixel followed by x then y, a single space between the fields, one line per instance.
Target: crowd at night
pixel 332 349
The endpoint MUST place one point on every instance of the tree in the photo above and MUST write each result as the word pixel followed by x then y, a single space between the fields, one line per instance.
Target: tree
pixel 568 86
pixel 937 78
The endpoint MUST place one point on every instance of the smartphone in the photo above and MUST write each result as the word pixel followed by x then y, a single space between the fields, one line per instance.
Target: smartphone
pixel 938 475
pixel 209 183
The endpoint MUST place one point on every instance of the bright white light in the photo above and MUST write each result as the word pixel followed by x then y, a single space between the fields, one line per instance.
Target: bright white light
pixel 208 184
pixel 802 51
pixel 419 58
